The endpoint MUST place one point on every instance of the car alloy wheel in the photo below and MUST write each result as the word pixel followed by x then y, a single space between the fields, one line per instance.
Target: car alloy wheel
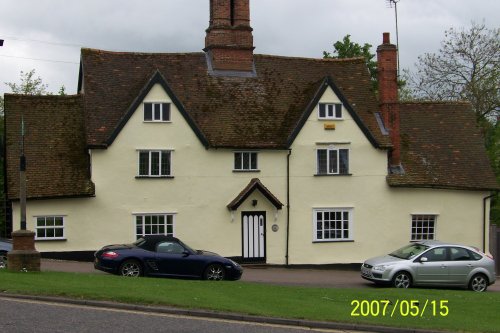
pixel 3 260
pixel 130 268
pixel 402 280
pixel 478 283
pixel 214 272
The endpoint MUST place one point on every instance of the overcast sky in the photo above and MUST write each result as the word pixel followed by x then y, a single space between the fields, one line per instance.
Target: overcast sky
pixel 55 30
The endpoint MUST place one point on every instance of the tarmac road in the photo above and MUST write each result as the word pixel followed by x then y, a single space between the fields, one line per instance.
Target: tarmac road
pixel 328 278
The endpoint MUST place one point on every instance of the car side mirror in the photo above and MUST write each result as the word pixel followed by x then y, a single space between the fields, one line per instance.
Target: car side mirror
pixel 423 259
pixel 185 253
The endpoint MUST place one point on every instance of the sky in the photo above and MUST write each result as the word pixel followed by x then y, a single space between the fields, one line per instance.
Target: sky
pixel 47 35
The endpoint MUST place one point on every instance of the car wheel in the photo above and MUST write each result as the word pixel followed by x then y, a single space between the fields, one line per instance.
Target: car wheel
pixel 214 272
pixel 3 260
pixel 130 268
pixel 478 283
pixel 401 280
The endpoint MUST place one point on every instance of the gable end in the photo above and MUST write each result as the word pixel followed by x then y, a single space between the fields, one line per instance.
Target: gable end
pixel 157 78
pixel 328 83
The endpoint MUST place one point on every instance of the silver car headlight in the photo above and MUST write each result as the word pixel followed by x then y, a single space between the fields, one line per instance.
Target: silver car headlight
pixel 381 268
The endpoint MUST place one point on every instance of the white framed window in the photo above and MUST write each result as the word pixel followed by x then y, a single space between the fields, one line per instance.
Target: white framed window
pixel 49 227
pixel 156 112
pixel 155 163
pixel 245 161
pixel 332 224
pixel 332 161
pixel 154 224
pixel 423 227
pixel 330 111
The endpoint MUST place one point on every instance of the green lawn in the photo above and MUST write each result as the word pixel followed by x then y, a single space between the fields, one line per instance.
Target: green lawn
pixel 453 310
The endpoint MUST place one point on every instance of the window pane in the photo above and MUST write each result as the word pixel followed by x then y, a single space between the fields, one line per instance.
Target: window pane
pixel 40 221
pixel 50 232
pixel 155 163
pixel 166 112
pixel 253 159
pixel 330 110
pixel 157 111
pixel 322 112
pixel 40 233
pixel 246 161
pixel 333 168
pixel 148 112
pixel 144 163
pixel 344 161
pixel 338 110
pixel 322 163
pixel 165 163
pixel 59 221
pixel 148 220
pixel 49 221
pixel 59 232
pixel 237 161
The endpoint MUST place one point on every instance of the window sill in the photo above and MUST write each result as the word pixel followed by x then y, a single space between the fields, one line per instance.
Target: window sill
pixel 154 177
pixel 244 171
pixel 157 121
pixel 332 175
pixel 51 240
pixel 334 241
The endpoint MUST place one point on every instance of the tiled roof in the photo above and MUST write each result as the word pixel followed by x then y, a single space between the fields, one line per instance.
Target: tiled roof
pixel 231 112
pixel 55 147
pixel 255 184
pixel 442 147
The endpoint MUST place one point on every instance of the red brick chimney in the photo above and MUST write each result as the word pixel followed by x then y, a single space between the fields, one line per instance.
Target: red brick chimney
pixel 229 39
pixel 387 64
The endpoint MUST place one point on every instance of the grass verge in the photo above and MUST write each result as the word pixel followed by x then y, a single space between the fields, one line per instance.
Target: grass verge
pixel 452 310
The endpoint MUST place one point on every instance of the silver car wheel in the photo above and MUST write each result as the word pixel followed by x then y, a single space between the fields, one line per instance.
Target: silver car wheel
pixel 215 273
pixel 478 283
pixel 3 261
pixel 402 280
pixel 130 268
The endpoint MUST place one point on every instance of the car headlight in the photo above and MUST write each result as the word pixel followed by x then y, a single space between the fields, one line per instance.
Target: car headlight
pixel 381 268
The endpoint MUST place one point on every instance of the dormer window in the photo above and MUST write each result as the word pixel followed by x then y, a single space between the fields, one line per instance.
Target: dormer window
pixel 330 111
pixel 156 112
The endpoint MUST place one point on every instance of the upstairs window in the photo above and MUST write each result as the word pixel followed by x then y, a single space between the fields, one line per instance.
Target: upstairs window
pixel 330 111
pixel 245 161
pixel 156 112
pixel 332 161
pixel 155 163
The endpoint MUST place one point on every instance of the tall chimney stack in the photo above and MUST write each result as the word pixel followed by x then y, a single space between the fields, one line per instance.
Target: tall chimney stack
pixel 387 64
pixel 229 39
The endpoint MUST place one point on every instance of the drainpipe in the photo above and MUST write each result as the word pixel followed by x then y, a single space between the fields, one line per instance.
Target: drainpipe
pixel 287 203
pixel 484 220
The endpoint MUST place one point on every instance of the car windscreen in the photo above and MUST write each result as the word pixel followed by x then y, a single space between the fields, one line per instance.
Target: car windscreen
pixel 409 251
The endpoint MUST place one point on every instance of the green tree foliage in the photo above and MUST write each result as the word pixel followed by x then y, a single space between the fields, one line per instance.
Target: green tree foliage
pixel 466 67
pixel 348 49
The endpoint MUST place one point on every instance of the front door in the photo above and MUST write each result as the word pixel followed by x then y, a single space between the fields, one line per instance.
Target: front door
pixel 254 236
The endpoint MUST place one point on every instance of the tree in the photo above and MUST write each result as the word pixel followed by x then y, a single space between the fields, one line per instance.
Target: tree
pixel 466 67
pixel 348 49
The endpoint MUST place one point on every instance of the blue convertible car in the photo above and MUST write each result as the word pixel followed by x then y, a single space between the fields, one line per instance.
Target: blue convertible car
pixel 164 256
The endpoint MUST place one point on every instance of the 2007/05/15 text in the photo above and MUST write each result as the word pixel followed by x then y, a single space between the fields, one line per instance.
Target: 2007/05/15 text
pixel 402 308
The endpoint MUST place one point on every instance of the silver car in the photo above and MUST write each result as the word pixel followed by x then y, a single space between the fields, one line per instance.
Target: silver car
pixel 432 263
pixel 5 246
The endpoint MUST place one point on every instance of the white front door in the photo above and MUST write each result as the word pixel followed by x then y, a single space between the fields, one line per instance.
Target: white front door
pixel 254 236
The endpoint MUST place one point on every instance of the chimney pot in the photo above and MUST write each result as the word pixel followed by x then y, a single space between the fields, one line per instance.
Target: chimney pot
pixel 386 38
